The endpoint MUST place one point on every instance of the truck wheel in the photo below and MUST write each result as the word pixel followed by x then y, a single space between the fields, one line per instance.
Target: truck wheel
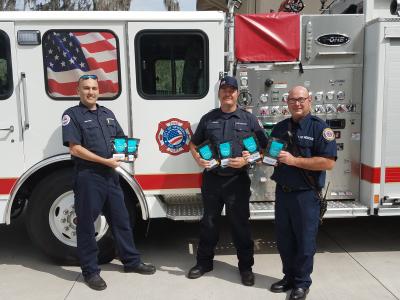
pixel 51 221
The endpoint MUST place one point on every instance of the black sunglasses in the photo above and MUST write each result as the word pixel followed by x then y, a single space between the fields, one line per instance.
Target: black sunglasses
pixel 89 76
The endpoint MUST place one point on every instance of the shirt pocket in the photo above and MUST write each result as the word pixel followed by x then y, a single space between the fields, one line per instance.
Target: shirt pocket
pixel 241 130
pixel 92 133
pixel 214 132
pixel 305 147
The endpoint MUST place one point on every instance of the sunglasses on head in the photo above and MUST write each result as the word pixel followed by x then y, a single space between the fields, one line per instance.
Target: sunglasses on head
pixel 89 76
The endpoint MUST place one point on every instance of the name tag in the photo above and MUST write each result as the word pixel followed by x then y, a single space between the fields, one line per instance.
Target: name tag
pixel 304 137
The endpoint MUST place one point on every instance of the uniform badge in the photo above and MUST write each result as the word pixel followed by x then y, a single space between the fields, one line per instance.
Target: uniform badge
pixel 328 134
pixel 173 136
pixel 65 120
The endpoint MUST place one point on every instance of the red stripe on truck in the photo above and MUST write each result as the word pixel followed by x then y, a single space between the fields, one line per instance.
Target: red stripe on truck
pixel 6 185
pixel 147 182
pixel 392 174
pixel 373 174
pixel 169 181
pixel 370 174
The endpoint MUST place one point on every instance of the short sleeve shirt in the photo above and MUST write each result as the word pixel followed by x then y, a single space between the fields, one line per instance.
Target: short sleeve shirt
pixel 92 129
pixel 219 127
pixel 313 138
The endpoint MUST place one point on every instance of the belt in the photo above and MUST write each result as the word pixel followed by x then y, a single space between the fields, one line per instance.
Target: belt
pixel 288 189
pixel 223 174
pixel 96 168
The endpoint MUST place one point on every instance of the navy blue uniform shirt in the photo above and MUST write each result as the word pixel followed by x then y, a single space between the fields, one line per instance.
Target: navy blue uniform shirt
pixel 92 129
pixel 313 138
pixel 218 127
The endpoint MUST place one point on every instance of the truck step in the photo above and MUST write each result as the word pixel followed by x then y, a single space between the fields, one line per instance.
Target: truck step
pixel 389 210
pixel 347 208
pixel 264 210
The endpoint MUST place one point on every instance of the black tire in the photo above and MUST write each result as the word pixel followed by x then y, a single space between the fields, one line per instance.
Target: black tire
pixel 38 226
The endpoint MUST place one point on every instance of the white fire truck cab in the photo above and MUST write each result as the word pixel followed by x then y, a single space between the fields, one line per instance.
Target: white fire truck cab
pixel 158 72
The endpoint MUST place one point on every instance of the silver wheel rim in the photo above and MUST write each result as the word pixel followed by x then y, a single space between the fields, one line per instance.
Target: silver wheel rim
pixel 62 220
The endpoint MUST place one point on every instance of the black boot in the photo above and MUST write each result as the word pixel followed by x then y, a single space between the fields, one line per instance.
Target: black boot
pixel 281 286
pixel 95 282
pixel 197 271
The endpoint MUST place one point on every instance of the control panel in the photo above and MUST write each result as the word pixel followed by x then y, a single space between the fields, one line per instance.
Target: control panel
pixel 336 93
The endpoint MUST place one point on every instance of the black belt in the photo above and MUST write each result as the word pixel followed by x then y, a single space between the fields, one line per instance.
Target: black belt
pixel 96 168
pixel 224 174
pixel 288 189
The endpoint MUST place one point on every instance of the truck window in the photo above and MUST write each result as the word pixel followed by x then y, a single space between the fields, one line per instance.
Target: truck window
pixel 6 82
pixel 68 54
pixel 171 64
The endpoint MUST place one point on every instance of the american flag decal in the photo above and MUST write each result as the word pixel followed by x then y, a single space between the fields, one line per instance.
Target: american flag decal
pixel 71 54
pixel 173 136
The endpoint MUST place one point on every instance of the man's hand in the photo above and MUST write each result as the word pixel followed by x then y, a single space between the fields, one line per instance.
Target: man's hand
pixel 287 158
pixel 113 162
pixel 246 155
pixel 237 162
pixel 201 162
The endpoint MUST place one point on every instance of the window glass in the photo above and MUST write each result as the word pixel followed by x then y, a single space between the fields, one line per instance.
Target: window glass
pixel 6 83
pixel 163 77
pixel 172 64
pixel 69 54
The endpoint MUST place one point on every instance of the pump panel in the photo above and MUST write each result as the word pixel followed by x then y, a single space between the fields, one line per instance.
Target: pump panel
pixel 334 80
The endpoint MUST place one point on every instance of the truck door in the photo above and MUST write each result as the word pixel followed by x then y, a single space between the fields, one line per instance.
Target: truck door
pixel 11 115
pixel 390 175
pixel 50 69
pixel 175 66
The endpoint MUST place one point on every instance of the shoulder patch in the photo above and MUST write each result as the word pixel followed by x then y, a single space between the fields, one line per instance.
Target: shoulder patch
pixel 328 134
pixel 65 120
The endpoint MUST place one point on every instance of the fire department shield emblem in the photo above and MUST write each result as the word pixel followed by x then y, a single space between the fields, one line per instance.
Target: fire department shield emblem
pixel 173 136
pixel 328 134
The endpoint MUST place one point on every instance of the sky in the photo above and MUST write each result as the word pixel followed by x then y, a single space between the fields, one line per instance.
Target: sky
pixel 159 5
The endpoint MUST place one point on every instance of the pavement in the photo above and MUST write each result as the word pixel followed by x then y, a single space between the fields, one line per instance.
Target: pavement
pixel 357 259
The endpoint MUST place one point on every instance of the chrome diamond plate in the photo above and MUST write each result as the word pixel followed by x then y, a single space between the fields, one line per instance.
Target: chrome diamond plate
pixel 193 210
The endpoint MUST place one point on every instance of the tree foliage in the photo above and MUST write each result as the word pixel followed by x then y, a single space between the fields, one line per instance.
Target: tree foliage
pixel 7 4
pixel 68 4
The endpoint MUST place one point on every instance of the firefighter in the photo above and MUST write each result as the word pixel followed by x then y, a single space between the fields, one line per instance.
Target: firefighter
pixel 87 130
pixel 228 186
pixel 300 176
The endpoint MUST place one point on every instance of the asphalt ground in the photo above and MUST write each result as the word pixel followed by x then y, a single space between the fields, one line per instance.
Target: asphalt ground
pixel 356 259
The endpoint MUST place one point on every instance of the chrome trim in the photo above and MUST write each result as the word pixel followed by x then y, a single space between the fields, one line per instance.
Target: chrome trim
pixel 334 45
pixel 286 63
pixel 26 114
pixel 338 53
pixel 64 157
pixel 308 40
pixel 10 129
pixel 137 189
pixel 26 175
pixel 128 85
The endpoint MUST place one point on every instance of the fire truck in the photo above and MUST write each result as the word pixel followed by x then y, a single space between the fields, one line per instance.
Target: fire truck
pixel 158 72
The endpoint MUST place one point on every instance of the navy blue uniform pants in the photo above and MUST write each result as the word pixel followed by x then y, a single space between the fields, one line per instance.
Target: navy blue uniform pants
pixel 96 192
pixel 296 223
pixel 234 192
